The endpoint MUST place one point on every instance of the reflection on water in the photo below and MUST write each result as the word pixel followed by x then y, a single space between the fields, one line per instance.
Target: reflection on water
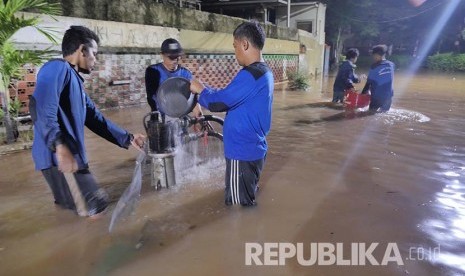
pixel 447 227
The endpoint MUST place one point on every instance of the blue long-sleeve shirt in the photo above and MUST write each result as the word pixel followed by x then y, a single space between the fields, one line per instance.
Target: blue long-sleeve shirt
pixel 346 76
pixel 380 81
pixel 248 103
pixel 60 109
pixel 155 75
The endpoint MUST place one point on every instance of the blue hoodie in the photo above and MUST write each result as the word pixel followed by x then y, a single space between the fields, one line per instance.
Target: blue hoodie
pixel 247 101
pixel 60 109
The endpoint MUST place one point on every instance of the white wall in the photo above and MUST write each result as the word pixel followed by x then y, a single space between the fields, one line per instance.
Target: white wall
pixel 112 34
pixel 308 11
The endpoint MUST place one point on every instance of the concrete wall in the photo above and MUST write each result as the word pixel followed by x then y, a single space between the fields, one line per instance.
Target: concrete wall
pixel 126 49
pixel 311 59
pixel 132 31
pixel 148 12
pixel 301 12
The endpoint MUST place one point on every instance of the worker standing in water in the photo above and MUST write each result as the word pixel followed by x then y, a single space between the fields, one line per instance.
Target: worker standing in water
pixel 380 80
pixel 156 74
pixel 346 76
pixel 247 101
pixel 60 108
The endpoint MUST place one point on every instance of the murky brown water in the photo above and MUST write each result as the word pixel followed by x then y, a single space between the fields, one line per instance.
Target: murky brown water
pixel 397 177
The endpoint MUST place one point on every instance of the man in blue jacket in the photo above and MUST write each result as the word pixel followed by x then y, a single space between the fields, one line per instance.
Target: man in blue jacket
pixel 346 76
pixel 60 108
pixel 156 74
pixel 247 101
pixel 380 81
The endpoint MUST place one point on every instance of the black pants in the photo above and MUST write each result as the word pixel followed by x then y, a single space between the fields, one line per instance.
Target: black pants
pixel 381 105
pixel 242 181
pixel 96 199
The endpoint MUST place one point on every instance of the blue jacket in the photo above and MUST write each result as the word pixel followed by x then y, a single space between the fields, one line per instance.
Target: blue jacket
pixel 60 109
pixel 248 102
pixel 346 76
pixel 380 81
pixel 155 75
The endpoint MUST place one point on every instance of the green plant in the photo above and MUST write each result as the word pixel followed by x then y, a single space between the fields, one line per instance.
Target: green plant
pixel 14 108
pixel 12 59
pixel 448 62
pixel 297 81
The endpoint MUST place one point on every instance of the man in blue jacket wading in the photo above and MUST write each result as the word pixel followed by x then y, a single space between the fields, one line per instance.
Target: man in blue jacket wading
pixel 60 108
pixel 380 81
pixel 346 76
pixel 247 101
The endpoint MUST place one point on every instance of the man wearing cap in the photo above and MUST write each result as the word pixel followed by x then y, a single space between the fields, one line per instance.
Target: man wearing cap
pixel 156 74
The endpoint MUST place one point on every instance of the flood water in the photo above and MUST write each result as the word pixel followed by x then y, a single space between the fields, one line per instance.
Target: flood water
pixel 330 177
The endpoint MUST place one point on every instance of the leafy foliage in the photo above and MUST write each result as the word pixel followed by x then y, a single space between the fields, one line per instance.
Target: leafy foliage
pixel 14 107
pixel 298 81
pixel 12 59
pixel 448 62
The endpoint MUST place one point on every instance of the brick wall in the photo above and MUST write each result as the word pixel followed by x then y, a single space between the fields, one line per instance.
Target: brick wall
pixel 217 70
pixel 23 87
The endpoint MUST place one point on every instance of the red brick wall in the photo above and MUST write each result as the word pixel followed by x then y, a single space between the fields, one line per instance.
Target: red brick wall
pixel 23 87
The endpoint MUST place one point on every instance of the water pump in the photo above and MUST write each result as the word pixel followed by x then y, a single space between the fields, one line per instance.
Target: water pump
pixel 161 150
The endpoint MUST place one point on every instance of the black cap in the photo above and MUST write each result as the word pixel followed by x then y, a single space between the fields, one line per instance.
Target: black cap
pixel 171 47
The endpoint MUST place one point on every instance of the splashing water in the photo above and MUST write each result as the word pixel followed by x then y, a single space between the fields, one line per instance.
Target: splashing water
pixel 402 115
pixel 126 204
pixel 201 159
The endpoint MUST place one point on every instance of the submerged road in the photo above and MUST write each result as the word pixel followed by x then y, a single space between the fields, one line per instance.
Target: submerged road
pixel 395 179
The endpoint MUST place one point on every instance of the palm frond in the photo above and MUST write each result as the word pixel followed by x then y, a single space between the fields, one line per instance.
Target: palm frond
pixel 49 32
pixel 13 6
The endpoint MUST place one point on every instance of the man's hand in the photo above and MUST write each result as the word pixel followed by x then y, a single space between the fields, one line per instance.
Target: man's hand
pixel 363 77
pixel 138 141
pixel 197 112
pixel 66 161
pixel 197 87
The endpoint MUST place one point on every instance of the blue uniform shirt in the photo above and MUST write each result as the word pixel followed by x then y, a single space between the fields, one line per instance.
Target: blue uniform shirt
pixel 155 75
pixel 346 77
pixel 380 81
pixel 248 102
pixel 60 109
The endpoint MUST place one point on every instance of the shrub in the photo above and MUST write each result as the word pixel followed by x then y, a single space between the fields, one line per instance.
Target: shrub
pixel 401 61
pixel 297 81
pixel 448 62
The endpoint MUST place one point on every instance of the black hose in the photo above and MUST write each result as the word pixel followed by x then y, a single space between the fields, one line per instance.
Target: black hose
pixel 211 118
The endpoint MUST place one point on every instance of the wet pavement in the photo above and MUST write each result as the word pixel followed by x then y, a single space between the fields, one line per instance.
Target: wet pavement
pixel 330 177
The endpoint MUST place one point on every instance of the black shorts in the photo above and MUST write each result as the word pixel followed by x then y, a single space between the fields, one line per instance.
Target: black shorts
pixel 242 181
pixel 96 199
